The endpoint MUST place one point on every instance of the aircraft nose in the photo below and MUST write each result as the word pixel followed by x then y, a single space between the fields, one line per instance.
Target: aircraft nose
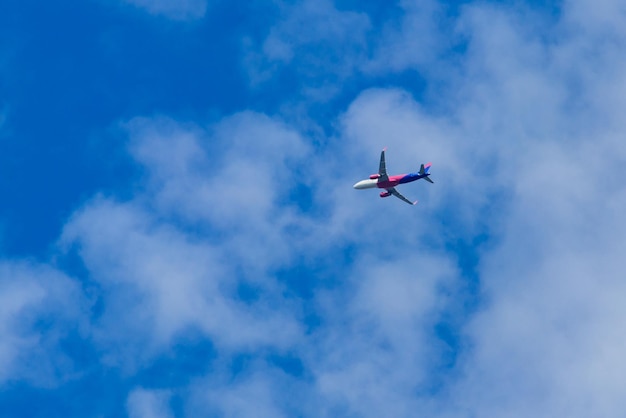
pixel 360 184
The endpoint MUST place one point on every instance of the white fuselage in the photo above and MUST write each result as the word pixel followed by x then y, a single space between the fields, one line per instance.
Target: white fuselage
pixel 366 184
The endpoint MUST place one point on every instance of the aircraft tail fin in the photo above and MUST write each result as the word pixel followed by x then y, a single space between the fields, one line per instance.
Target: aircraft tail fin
pixel 425 171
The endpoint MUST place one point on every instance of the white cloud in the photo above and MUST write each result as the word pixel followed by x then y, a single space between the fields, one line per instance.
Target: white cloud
pixel 212 219
pixel 374 350
pixel 143 403
pixel 415 41
pixel 235 181
pixel 325 45
pixel 545 343
pixel 263 391
pixel 174 9
pixel 378 349
pixel 315 23
pixel 39 307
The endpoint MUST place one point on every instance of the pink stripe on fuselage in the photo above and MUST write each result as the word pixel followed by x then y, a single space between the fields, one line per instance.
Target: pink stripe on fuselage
pixel 392 182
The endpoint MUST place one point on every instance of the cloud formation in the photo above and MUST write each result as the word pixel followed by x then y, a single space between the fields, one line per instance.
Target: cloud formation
pixel 143 403
pixel 528 124
pixel 167 279
pixel 204 245
pixel 174 9
pixel 319 43
pixel 39 309
pixel 499 295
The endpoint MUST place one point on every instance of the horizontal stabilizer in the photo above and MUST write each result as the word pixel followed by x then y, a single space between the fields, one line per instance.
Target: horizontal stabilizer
pixel 425 171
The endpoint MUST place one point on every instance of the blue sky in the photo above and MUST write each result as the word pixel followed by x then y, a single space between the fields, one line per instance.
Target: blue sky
pixel 180 236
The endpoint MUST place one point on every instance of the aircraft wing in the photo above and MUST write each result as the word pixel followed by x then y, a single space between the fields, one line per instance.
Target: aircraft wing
pixel 382 167
pixel 397 194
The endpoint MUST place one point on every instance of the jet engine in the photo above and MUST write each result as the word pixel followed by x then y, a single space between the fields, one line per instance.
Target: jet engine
pixel 374 176
pixel 385 194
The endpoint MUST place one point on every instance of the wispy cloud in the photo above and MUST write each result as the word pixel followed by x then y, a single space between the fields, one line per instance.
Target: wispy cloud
pixel 415 40
pixel 173 9
pixel 142 403
pixel 322 44
pixel 39 308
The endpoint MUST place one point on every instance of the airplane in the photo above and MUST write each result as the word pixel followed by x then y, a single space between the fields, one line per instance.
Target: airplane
pixel 389 183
